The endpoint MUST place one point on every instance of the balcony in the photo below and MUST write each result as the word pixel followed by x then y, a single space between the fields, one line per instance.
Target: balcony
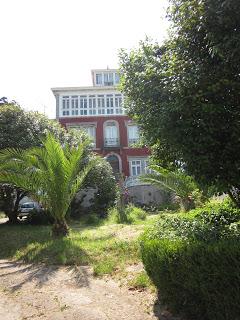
pixel 133 141
pixel 111 143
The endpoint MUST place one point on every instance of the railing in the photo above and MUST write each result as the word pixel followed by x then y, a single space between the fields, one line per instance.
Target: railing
pixel 134 181
pixel 111 142
pixel 132 141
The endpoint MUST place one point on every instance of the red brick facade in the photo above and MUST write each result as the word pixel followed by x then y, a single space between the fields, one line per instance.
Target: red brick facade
pixel 123 150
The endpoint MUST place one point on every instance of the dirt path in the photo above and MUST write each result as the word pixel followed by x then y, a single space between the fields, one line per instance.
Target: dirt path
pixel 57 293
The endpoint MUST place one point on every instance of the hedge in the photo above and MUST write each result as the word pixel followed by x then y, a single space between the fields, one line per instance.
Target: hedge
pixel 200 280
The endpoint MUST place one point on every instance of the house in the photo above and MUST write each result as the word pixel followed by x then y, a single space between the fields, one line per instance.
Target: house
pixel 99 109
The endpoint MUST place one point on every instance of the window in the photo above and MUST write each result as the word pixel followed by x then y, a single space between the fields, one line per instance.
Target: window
pixel 75 112
pixel 135 167
pixel 91 131
pixel 74 102
pixel 138 166
pixel 133 134
pixel 101 104
pixel 108 79
pixel 92 104
pixel 111 134
pixel 65 105
pixel 117 78
pixel 83 105
pixel 109 99
pixel 145 166
pixel 114 162
pixel 98 78
pixel 118 103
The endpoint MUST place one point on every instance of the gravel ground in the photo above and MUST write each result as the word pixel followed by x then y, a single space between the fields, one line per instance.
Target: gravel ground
pixel 57 293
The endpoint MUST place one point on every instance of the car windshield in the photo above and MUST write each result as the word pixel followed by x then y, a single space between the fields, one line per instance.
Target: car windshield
pixel 27 205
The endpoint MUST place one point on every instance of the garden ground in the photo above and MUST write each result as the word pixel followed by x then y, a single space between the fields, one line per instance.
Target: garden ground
pixel 51 292
pixel 56 279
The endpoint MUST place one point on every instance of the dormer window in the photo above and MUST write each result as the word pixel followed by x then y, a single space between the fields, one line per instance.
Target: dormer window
pixel 108 79
pixel 117 78
pixel 98 78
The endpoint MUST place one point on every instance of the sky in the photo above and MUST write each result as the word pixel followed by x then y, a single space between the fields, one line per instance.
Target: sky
pixel 56 43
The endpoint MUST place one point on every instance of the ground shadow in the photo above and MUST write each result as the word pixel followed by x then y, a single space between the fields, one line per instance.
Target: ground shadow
pixel 41 274
pixel 162 312
pixel 27 244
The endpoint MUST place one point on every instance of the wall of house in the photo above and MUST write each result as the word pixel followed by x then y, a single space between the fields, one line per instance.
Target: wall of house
pixel 123 150
pixel 146 195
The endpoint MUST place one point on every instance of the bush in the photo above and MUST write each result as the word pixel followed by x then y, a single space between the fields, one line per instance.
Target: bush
pixel 113 215
pixel 132 214
pixel 91 219
pixel 193 259
pixel 101 179
pixel 201 281
pixel 212 222
pixel 39 218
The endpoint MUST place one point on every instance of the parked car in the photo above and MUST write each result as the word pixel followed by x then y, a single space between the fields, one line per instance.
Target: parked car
pixel 27 207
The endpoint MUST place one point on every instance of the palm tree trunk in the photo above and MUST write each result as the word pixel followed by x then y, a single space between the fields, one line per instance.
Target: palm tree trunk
pixel 60 228
pixel 187 204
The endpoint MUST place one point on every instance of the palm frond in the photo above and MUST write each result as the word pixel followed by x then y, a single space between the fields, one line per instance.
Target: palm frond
pixel 51 174
pixel 175 181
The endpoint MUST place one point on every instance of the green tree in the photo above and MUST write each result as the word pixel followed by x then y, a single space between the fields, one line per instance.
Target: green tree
pixel 51 174
pixel 185 94
pixel 21 129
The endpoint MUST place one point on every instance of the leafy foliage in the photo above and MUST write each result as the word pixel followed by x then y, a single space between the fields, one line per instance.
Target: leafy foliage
pixel 131 215
pixel 201 281
pixel 102 179
pixel 212 222
pixel 21 129
pixel 193 260
pixel 185 93
pixel 175 181
pixel 51 174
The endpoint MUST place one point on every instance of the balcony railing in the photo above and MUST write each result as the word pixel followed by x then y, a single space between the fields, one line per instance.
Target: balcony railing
pixel 133 181
pixel 111 142
pixel 132 141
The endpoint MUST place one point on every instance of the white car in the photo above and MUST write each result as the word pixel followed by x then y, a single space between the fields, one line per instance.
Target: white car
pixel 27 207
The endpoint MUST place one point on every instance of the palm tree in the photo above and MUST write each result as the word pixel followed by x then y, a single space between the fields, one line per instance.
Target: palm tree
pixel 177 182
pixel 51 174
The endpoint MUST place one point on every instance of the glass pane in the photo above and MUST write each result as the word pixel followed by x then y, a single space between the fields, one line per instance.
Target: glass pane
pixel 98 78
pixel 117 78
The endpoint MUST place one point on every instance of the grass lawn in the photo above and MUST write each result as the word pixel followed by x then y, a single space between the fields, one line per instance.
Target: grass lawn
pixel 109 248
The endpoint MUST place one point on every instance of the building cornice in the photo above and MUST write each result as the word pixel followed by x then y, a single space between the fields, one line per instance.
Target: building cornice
pixel 58 90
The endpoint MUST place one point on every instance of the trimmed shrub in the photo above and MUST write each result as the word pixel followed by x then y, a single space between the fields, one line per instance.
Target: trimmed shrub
pixel 193 259
pixel 201 281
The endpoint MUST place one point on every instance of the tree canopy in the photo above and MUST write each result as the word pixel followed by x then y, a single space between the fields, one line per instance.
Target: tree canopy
pixel 52 174
pixel 21 129
pixel 185 93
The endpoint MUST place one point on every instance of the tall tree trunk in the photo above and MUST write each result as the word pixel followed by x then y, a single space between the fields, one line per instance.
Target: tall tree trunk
pixel 8 195
pixel 12 199
pixel 60 228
